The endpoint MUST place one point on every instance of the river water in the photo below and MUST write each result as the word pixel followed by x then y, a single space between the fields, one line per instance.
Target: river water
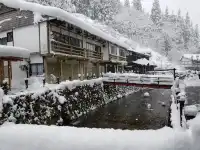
pixel 133 112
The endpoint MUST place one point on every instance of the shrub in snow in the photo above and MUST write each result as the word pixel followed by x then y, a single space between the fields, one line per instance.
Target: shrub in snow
pixel 52 106
pixel 146 94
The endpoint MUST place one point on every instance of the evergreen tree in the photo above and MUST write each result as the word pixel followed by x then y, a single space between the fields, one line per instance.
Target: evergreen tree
pixel 166 13
pixel 127 3
pixel 137 5
pixel 104 10
pixel 156 12
pixel 186 31
pixel 187 19
pixel 196 35
pixel 66 5
pixel 167 46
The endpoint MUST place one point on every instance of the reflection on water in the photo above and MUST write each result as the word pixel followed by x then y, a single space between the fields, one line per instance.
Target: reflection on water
pixel 132 112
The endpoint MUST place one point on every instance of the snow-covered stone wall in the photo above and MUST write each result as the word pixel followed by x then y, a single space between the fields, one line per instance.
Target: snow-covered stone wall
pixel 59 104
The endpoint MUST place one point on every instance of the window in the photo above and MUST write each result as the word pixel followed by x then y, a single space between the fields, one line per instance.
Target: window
pixel 90 46
pixel 122 53
pixel 97 49
pixel 113 50
pixel 9 36
pixel 3 41
pixel 36 69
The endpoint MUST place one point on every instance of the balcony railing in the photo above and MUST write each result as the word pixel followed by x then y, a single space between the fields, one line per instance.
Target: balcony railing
pixel 75 51
pixel 67 49
pixel 117 58
pixel 94 55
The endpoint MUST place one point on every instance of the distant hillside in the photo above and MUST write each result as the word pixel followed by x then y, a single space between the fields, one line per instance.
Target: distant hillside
pixel 139 27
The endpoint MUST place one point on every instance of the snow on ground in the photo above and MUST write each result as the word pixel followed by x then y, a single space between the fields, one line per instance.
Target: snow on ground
pixel 33 137
pixel 191 110
pixel 10 51
pixel 192 80
pixel 175 115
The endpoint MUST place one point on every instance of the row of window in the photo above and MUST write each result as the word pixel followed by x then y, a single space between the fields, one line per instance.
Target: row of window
pixel 114 51
pixel 93 47
pixel 67 39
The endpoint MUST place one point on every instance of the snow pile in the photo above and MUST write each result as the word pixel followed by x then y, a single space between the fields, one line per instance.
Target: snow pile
pixel 16 52
pixel 146 94
pixel 190 110
pixel 59 138
pixel 175 114
pixel 192 80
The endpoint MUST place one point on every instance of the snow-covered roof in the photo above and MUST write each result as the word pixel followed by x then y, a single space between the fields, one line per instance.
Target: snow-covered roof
pixel 66 16
pixel 16 52
pixel 191 56
pixel 144 61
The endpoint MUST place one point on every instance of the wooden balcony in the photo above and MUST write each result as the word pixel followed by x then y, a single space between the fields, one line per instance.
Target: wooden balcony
pixel 117 58
pixel 75 51
pixel 113 57
pixel 122 58
pixel 67 49
pixel 94 55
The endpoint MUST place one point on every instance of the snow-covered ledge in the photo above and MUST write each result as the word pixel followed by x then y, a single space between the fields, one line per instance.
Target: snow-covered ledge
pixel 16 52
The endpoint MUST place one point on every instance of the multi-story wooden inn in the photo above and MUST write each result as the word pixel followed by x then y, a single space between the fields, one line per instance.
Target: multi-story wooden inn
pixel 62 48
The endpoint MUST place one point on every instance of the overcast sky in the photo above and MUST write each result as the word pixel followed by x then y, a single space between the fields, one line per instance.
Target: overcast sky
pixel 192 6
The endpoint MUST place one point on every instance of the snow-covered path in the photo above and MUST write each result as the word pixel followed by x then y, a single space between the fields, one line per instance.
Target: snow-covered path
pixel 133 112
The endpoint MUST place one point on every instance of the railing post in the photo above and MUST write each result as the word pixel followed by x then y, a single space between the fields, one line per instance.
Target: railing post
pixel 58 80
pixel 182 104
pixel 44 82
pixel 174 70
pixel 26 83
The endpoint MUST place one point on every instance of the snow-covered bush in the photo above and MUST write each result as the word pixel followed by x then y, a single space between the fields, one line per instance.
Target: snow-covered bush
pixel 53 106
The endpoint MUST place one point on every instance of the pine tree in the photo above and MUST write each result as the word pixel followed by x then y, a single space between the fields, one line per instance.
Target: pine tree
pixel 187 19
pixel 104 10
pixel 186 31
pixel 66 5
pixel 137 5
pixel 166 47
pixel 156 12
pixel 166 13
pixel 196 35
pixel 127 3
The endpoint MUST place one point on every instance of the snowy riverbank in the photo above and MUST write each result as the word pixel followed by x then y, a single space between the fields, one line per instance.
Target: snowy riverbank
pixel 34 137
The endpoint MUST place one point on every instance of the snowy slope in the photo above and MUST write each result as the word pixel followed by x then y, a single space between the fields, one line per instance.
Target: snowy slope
pixel 140 28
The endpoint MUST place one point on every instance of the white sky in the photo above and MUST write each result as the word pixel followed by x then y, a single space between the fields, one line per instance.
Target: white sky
pixel 192 6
